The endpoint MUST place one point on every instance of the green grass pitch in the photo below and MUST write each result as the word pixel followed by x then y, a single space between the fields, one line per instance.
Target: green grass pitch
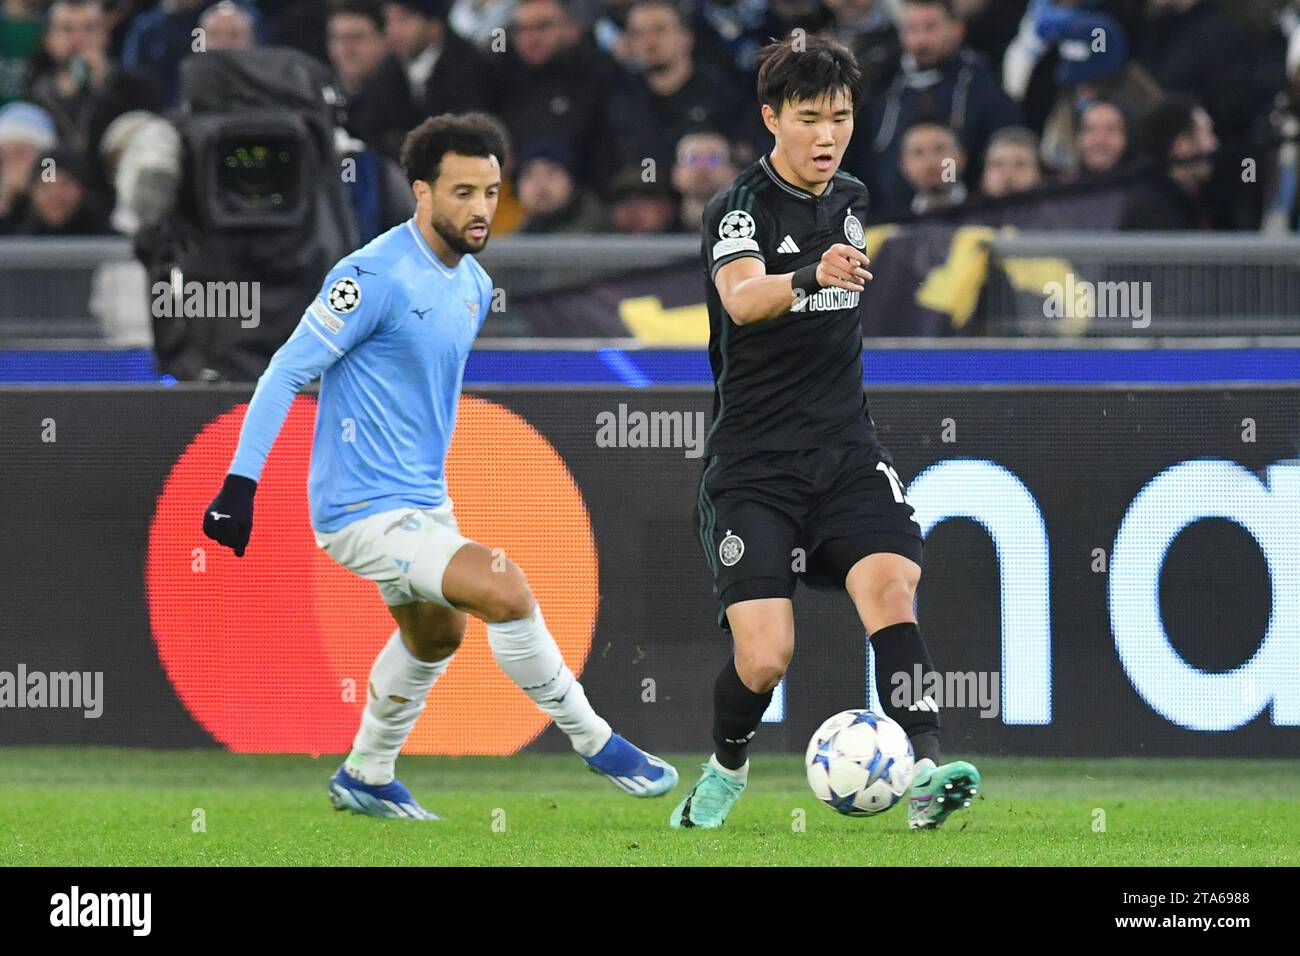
pixel 124 807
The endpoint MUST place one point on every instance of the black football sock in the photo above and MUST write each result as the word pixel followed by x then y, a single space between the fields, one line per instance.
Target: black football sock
pixel 901 658
pixel 737 712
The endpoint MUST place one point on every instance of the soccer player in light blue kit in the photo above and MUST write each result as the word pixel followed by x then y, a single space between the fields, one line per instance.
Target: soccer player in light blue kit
pixel 388 335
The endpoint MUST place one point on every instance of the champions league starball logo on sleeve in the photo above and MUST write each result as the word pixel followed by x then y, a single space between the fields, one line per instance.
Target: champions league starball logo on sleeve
pixel 737 224
pixel 344 295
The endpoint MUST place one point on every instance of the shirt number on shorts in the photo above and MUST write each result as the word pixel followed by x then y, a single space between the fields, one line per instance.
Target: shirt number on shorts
pixel 895 484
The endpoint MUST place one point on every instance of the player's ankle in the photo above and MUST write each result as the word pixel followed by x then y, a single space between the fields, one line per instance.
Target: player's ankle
pixel 739 774
pixel 369 770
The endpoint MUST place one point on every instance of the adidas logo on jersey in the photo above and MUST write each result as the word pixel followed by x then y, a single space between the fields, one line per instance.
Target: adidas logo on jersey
pixel 787 246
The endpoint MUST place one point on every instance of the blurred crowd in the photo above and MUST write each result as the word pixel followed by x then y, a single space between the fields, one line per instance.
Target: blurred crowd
pixel 627 115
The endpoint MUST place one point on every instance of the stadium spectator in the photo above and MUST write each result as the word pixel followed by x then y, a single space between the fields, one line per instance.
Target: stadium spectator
pixel 1178 142
pixel 64 201
pixel 939 81
pixel 76 83
pixel 377 104
pixel 1194 48
pixel 1011 163
pixel 25 132
pixel 1282 167
pixel 811 16
pixel 990 25
pixel 141 152
pixel 730 33
pixel 866 28
pixel 158 39
pixel 295 23
pixel 1094 61
pixel 703 166
pixel 609 29
pixel 932 163
pixel 378 192
pixel 481 22
pixel 21 25
pixel 551 198
pixel 227 26
pixel 1102 142
pixel 671 95
pixel 640 206
pixel 444 73
pixel 553 86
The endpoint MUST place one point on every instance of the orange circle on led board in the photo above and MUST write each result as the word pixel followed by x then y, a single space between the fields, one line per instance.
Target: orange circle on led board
pixel 270 652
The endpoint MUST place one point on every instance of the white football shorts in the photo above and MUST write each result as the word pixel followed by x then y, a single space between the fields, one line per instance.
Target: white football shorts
pixel 405 551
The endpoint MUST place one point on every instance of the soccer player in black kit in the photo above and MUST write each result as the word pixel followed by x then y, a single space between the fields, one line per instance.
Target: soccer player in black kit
pixel 792 457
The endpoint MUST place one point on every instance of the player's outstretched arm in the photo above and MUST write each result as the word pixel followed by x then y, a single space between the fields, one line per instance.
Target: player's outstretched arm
pixel 228 519
pixel 323 336
pixel 749 294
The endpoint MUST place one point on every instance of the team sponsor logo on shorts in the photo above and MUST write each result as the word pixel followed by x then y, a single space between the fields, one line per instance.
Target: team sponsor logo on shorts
pixel 325 317
pixel 737 224
pixel 731 549
pixel 343 296
pixel 853 231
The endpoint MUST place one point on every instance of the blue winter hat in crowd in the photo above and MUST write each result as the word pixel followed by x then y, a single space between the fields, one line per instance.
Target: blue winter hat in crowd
pixel 551 150
pixel 1092 46
pixel 27 123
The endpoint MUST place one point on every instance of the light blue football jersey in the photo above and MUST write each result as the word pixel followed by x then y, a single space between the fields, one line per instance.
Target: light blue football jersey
pixel 388 336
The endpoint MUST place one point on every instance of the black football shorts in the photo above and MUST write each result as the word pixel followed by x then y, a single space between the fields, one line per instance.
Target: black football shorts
pixel 768 520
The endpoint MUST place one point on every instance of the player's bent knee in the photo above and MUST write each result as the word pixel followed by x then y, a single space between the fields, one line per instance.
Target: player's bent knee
pixel 761 673
pixel 512 601
pixel 894 591
pixel 429 631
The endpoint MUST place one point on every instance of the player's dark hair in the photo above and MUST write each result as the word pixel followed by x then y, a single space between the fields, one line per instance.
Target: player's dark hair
pixel 469 134
pixel 372 10
pixel 801 68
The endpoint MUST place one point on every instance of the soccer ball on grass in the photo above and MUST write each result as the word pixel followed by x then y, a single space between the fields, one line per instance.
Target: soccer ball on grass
pixel 859 763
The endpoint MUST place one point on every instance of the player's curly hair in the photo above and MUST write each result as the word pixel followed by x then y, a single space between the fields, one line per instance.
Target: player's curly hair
pixel 801 68
pixel 469 134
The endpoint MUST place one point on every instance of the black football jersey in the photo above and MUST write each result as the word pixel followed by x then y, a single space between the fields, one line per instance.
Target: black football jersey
pixel 793 382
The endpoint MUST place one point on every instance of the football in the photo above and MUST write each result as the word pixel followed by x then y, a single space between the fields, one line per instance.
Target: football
pixel 859 763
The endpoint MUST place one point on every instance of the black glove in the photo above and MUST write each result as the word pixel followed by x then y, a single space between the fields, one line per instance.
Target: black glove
pixel 229 519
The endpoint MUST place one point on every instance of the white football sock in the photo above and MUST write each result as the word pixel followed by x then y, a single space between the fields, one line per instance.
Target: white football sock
pixel 921 768
pixel 399 683
pixel 525 650
pixel 741 773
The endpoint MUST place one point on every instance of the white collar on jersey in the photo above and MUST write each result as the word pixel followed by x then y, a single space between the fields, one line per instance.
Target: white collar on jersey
pixel 792 189
pixel 429 253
